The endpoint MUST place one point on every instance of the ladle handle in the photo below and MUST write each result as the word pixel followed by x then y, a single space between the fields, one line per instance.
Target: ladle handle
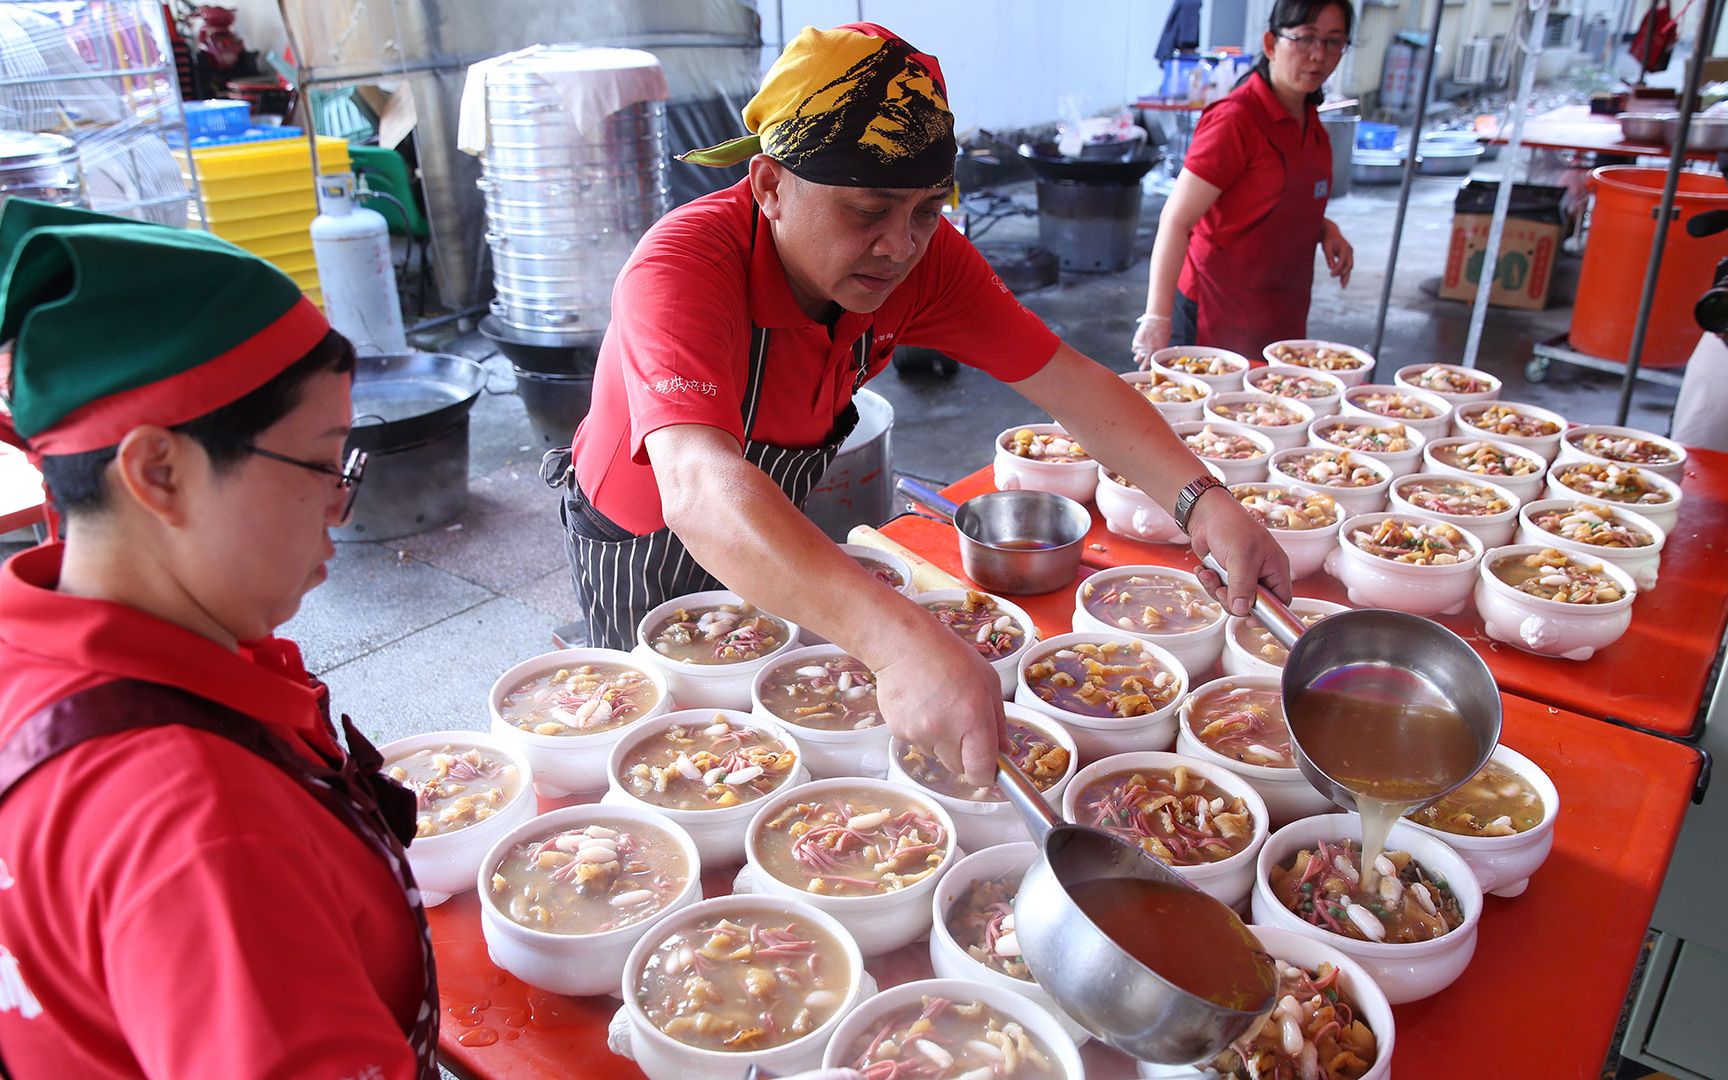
pixel 927 498
pixel 1025 797
pixel 1279 620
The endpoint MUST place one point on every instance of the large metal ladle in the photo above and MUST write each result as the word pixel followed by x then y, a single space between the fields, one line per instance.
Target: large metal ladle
pixel 1103 988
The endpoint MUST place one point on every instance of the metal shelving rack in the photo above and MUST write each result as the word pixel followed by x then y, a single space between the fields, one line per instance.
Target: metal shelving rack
pixel 102 73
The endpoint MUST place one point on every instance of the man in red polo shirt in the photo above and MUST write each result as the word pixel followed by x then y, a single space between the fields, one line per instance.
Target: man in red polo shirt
pixel 195 879
pixel 742 326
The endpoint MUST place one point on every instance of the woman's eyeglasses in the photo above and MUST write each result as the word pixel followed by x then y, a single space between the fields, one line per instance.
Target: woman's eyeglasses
pixel 347 477
pixel 1309 43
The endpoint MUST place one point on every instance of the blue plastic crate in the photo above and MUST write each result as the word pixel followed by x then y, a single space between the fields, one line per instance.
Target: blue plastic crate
pixel 250 135
pixel 217 118
pixel 1371 136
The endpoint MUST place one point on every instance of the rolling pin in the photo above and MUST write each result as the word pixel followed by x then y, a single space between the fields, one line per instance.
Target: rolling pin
pixel 926 575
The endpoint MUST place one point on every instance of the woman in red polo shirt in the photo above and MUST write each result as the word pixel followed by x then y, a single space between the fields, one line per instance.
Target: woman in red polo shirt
pixel 1233 264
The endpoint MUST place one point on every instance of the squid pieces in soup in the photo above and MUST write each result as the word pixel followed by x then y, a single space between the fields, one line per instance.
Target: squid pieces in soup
pixel 951 1040
pixel 1323 886
pixel 1175 814
pixel 718 634
pixel 590 879
pixel 706 766
pixel 853 843
pixel 454 786
pixel 580 699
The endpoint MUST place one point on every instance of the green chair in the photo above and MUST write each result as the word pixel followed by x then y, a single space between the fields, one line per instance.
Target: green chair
pixel 388 188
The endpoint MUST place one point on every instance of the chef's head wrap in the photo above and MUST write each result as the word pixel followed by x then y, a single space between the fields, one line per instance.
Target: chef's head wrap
pixel 855 106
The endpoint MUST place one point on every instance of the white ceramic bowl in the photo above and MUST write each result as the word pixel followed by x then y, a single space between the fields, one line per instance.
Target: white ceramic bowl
pixel 886 558
pixel 1642 563
pixel 1300 950
pixel 1323 404
pixel 1281 436
pixel 1075 479
pixel 1665 514
pixel 827 752
pixel 1239 661
pixel 1546 445
pixel 868 1018
pixel 707 686
pixel 1355 376
pixel 1526 486
pixel 1306 548
pixel 949 961
pixel 1005 666
pixel 1405 972
pixel 1172 411
pixel 570 763
pixel 1492 529
pixel 1100 736
pixel 1503 864
pixel 1367 499
pixel 662 1057
pixel 1571 451
pixel 1231 470
pixel 1286 792
pixel 576 964
pixel 1407 375
pixel 1230 879
pixel 1401 462
pixel 446 864
pixel 1224 382
pixel 1551 627
pixel 1196 650
pixel 980 824
pixel 882 922
pixel 718 831
pixel 1128 511
pixel 1437 426
pixel 1372 581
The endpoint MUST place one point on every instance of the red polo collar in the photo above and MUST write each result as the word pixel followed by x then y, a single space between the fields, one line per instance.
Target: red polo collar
pixel 1260 90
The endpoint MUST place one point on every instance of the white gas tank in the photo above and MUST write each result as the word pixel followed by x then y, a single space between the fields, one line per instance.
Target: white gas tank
pixel 352 247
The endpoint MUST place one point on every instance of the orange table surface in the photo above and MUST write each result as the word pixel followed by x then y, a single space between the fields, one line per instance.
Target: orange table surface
pixel 1654 677
pixel 1575 127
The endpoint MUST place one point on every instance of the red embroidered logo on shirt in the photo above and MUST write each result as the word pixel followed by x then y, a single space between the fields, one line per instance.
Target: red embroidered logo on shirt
pixel 678 383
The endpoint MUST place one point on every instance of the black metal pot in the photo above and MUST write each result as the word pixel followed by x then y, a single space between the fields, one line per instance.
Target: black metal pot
pixel 553 354
pixel 555 403
pixel 1047 164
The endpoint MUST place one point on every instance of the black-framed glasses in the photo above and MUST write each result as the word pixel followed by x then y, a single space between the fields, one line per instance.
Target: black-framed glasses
pixel 347 477
pixel 1308 43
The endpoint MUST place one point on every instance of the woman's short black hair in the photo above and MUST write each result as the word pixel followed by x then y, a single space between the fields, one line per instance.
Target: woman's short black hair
pixel 1291 13
pixel 78 483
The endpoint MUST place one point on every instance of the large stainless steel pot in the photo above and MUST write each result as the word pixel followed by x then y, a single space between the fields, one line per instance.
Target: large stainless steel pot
pixel 1646 128
pixel 1017 542
pixel 42 167
pixel 1446 158
pixel 1704 133
pixel 1376 167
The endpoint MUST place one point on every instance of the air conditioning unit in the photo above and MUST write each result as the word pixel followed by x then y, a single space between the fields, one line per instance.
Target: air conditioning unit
pixel 1475 62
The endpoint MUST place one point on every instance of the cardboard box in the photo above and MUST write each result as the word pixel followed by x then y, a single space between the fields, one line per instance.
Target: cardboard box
pixel 1526 264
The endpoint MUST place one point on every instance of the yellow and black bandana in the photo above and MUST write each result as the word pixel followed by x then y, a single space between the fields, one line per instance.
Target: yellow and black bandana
pixel 855 106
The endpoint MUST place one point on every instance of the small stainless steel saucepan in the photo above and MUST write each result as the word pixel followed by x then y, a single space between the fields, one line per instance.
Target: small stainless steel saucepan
pixel 1016 542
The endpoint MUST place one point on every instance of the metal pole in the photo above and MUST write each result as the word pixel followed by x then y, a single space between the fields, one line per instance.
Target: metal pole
pixel 1529 48
pixel 1707 24
pixel 1409 176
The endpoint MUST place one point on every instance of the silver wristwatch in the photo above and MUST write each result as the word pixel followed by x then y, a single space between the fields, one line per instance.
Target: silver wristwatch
pixel 1190 494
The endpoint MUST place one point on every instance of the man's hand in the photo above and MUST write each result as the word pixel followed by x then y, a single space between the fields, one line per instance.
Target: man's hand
pixel 939 694
pixel 1219 525
pixel 1151 333
pixel 1340 256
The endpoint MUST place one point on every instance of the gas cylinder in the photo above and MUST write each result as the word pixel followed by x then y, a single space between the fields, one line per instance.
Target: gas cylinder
pixel 352 247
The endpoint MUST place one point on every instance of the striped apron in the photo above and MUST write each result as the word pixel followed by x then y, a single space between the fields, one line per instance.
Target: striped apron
pixel 619 576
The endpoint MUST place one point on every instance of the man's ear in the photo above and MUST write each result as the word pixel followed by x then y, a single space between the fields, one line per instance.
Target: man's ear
pixel 769 183
pixel 150 468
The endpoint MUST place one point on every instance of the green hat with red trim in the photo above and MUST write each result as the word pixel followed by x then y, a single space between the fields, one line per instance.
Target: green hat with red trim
pixel 108 323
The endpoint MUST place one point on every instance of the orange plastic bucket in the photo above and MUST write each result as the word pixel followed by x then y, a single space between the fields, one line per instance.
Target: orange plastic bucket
pixel 1622 228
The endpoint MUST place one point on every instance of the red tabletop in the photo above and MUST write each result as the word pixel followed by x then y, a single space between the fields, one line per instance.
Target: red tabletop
pixel 20 491
pixel 1575 127
pixel 1653 678
pixel 1167 105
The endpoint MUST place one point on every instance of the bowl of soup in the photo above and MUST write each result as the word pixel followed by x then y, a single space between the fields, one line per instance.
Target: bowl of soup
pixel 1220 369
pixel 1521 471
pixel 1330 1016
pixel 1250 648
pixel 1163 605
pixel 1201 819
pixel 564 710
pixel 1001 632
pixel 885 566
pixel 972 933
pixel 1356 482
pixel 1305 523
pixel 469 789
pixel 1111 691
pixel 1348 364
pixel 1656 497
pixel 1552 602
pixel 738 981
pixel 983 818
pixel 1501 821
pixel 1429 414
pixel 1128 511
pixel 1530 426
pixel 1239 453
pixel 1406 563
pixel 867 852
pixel 1318 390
pixel 564 896
pixel 1414 937
pixel 1456 384
pixel 706 769
pixel 1624 446
pixel 828 699
pixel 1238 723
pixel 1486 509
pixel 1043 457
pixel 1394 443
pixel 1176 397
pixel 961 1028
pixel 1284 421
pixel 710 645
pixel 1584 527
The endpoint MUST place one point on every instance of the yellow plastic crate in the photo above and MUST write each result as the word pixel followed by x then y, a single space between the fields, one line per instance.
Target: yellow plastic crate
pixel 220 211
pixel 297 263
pixel 248 229
pixel 280 245
pixel 246 187
pixel 250 161
pixel 307 280
pixel 316 296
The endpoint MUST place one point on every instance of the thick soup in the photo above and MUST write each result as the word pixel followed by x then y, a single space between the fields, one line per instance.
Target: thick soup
pixel 718 634
pixel 1280 508
pixel 853 843
pixel 1258 642
pixel 978 620
pixel 1161 389
pixel 1550 574
pixel 1177 815
pixel 1485 458
pixel 1289 384
pixel 1119 679
pixel 1368 437
pixel 1222 445
pixel 881 571
pixel 579 700
pixel 1502 419
pixel 1321 357
pixel 1446 379
pixel 454 786
pixel 1397 406
pixel 982 923
pixel 1151 604
pixel 1315 1031
pixel 1627 449
pixel 1044 446
pixel 1594 524
pixel 1202 365
pixel 1269 412
pixel 1495 802
pixel 1455 497
pixel 1330 468
pixel 1613 482
pixel 1323 886
pixel 706 767
pixel 1244 723
pixel 837 693
pixel 590 879
pixel 1039 756
pixel 1413 541
pixel 950 1040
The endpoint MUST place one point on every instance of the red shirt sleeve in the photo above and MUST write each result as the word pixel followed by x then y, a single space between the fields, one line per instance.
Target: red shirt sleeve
pixel 965 311
pixel 1219 152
